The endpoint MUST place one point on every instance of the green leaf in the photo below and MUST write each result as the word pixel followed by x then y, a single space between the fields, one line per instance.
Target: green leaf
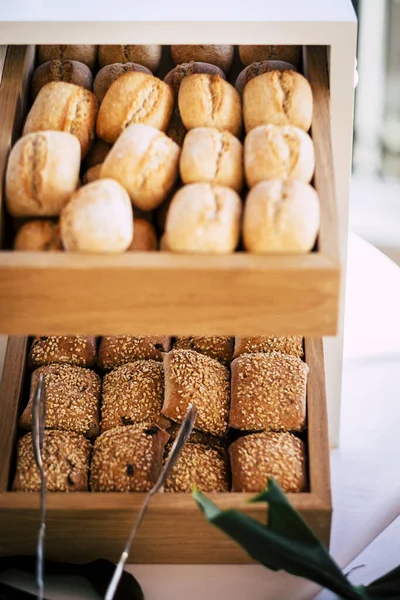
pixel 302 554
pixel 387 586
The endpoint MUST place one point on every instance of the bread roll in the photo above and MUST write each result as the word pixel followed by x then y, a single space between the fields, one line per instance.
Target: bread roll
pixel 212 156
pixel 84 54
pixel 292 344
pixel 115 351
pixel 290 54
pixel 96 154
pixel 144 237
pixel 38 236
pixel 69 71
pixel 65 107
pixel 274 152
pixel 219 55
pixel 134 98
pixel 210 101
pixel 176 129
pixel 259 68
pixel 204 218
pixel 145 161
pixel 108 74
pixel 98 218
pixel 174 78
pixel 218 347
pixel 92 174
pixel 147 55
pixel 281 217
pixel 42 173
pixel 258 457
pixel 71 349
pixel 278 98
pixel 65 458
pixel 198 465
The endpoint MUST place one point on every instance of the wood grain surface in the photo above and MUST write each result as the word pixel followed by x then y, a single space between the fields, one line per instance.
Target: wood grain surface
pixel 85 526
pixel 165 293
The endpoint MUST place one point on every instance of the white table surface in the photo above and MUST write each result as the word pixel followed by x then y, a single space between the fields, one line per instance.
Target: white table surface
pixel 365 468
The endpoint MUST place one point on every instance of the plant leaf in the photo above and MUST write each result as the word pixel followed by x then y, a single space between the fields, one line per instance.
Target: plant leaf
pixel 273 550
pixel 387 586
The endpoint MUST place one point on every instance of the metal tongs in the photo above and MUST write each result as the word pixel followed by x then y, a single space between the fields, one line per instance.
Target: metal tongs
pixel 38 426
pixel 180 440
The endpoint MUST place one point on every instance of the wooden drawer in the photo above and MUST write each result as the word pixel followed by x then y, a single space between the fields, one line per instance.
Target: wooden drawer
pixel 164 293
pixel 83 526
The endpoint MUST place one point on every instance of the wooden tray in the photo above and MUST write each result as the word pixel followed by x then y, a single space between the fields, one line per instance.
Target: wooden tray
pixel 84 525
pixel 164 293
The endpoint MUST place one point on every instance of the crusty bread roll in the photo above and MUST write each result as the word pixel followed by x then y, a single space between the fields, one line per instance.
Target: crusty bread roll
pixel 278 98
pixel 290 54
pixel 212 156
pixel 219 55
pixel 42 173
pixel 147 55
pixel 69 71
pixel 84 54
pixel 144 237
pixel 145 161
pixel 174 78
pixel 98 218
pixel 210 101
pixel 38 236
pixel 108 74
pixel 66 107
pixel 259 68
pixel 274 152
pixel 204 218
pixel 92 174
pixel 281 217
pixel 131 99
pixel 96 154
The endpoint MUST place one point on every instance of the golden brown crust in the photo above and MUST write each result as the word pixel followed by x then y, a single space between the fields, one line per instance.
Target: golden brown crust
pixel 70 71
pixel 145 161
pixel 258 68
pixel 278 98
pixel 92 174
pixel 115 351
pixel 191 377
pixel 219 55
pixel 65 459
pixel 218 347
pixel 144 237
pixel 276 152
pixel 258 457
pixel 290 54
pixel 132 393
pixel 108 74
pixel 134 98
pixel 210 101
pixel 86 54
pixel 127 459
pixel 42 173
pixel 38 236
pixel 200 466
pixel 212 156
pixel 61 106
pixel 74 350
pixel 281 217
pixel 174 78
pixel 292 345
pixel 72 399
pixel 147 55
pixel 268 392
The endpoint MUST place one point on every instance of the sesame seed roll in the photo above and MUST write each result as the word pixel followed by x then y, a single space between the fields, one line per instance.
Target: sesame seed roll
pixel 218 347
pixel 191 377
pixel 115 351
pixel 65 459
pixel 74 350
pixel 292 345
pixel 198 465
pixel 72 399
pixel 132 393
pixel 127 459
pixel 268 392
pixel 257 457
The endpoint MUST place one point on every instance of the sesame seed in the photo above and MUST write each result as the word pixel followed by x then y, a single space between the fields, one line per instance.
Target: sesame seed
pixel 198 465
pixel 292 345
pixel 74 350
pixel 115 351
pixel 218 347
